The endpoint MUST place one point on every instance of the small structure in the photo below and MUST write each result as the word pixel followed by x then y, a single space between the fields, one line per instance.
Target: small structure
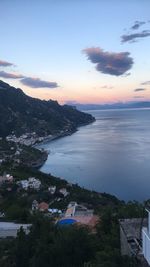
pixel 52 189
pixel 146 239
pixel 71 209
pixel 24 184
pixel 130 236
pixel 6 178
pixel 32 183
pixel 80 215
pixel 75 209
pixel 43 206
pixel 9 178
pixel 35 205
pixel 10 229
pixel 64 192
pixel 2 214
pixel 54 211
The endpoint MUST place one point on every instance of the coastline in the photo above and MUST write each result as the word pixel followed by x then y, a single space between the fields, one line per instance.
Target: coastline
pixel 48 139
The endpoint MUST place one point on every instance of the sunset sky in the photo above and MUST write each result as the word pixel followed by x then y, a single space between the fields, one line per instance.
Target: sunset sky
pixel 85 51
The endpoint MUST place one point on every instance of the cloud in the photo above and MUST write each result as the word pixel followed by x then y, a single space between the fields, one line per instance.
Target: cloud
pixel 5 64
pixel 146 83
pixel 133 37
pixel 108 62
pixel 38 83
pixel 127 74
pixel 139 89
pixel 137 24
pixel 138 96
pixel 106 87
pixel 8 75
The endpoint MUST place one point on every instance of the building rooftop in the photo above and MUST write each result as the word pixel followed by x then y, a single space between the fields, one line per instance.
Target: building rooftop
pixel 132 227
pixel 10 229
pixel 132 231
pixel 43 206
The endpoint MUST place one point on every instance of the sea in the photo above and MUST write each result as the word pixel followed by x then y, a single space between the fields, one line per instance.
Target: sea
pixel 110 155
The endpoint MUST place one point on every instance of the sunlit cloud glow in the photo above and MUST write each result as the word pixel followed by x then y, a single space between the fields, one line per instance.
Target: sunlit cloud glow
pixel 109 62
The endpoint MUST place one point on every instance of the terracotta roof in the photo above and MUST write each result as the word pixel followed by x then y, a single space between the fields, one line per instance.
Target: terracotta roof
pixel 43 206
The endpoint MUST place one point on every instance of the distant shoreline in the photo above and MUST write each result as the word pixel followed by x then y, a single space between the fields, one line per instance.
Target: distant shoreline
pixel 60 135
pixel 55 137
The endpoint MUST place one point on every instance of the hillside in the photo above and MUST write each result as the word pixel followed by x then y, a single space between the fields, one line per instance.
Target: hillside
pixel 20 113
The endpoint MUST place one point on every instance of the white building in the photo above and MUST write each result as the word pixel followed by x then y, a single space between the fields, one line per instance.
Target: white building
pixel 10 229
pixel 6 178
pixel 34 183
pixel 146 239
pixel 64 192
pixel 52 189
pixel 71 209
pixel 24 184
pixel 53 211
pixel 35 205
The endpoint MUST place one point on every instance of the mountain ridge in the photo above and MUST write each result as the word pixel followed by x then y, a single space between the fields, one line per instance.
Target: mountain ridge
pixel 20 113
pixel 117 105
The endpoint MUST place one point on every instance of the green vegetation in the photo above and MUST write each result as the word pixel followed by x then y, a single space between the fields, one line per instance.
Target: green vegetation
pixel 20 114
pixel 75 246
pixel 21 154
pixel 16 202
pixel 50 245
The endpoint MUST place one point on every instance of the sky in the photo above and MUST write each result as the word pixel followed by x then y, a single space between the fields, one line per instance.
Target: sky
pixel 84 51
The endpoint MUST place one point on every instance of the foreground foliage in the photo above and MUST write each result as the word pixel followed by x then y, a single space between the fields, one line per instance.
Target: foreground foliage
pixel 49 245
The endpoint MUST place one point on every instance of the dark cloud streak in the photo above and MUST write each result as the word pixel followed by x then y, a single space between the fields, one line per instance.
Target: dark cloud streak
pixel 133 37
pixel 8 75
pixel 38 83
pixel 139 89
pixel 5 63
pixel 137 24
pixel 106 87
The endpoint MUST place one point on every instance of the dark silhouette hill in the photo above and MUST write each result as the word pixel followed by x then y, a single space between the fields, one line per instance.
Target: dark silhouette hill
pixel 20 113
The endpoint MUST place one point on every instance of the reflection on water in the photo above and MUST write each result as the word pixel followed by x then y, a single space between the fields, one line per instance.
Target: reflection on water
pixel 111 155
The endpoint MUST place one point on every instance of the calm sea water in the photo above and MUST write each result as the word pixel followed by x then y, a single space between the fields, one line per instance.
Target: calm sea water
pixel 110 155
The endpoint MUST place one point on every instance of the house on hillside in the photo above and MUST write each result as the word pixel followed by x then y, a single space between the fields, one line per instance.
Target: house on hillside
pixel 6 178
pixel 80 215
pixel 24 184
pixel 43 206
pixel 146 239
pixel 52 189
pixel 10 229
pixel 64 192
pixel 32 183
pixel 35 205
pixel 135 243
